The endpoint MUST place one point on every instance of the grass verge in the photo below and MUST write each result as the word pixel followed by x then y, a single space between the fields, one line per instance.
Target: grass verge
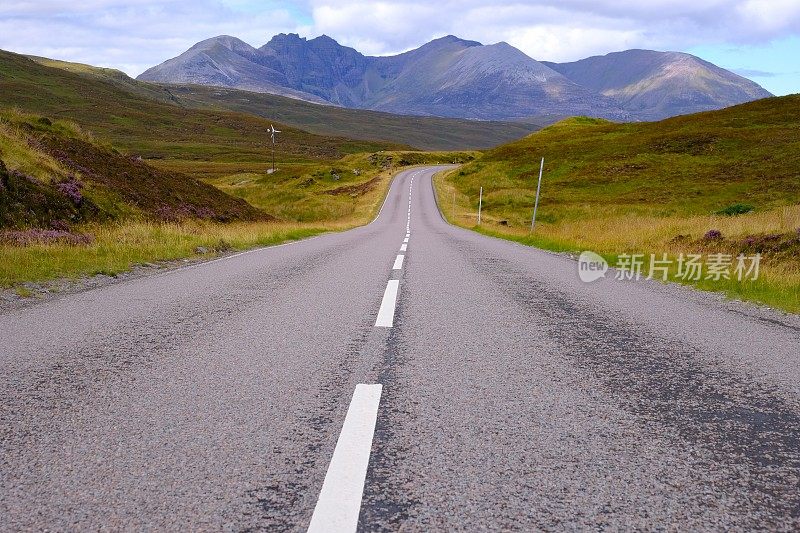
pixel 117 247
pixel 611 233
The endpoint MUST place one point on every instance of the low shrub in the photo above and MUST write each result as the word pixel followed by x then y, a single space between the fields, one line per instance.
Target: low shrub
pixel 735 209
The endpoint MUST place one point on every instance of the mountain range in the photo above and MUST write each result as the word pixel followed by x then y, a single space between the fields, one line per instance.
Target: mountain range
pixel 452 77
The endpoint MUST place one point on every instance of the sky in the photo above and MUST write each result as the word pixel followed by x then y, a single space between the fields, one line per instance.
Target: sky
pixel 759 39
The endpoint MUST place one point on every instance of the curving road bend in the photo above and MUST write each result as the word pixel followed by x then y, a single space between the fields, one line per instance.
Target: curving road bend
pixel 473 384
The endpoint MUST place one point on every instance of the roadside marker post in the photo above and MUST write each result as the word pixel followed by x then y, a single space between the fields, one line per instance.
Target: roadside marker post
pixel 480 206
pixel 538 188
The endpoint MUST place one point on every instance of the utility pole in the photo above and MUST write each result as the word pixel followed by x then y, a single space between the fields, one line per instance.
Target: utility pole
pixel 538 188
pixel 480 205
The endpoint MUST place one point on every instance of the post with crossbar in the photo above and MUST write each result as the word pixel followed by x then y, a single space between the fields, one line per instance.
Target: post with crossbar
pixel 272 131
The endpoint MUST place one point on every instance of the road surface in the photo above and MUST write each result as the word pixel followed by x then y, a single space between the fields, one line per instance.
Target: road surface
pixel 474 384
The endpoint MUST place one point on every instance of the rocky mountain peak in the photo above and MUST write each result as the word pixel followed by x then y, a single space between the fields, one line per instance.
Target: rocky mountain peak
pixel 454 77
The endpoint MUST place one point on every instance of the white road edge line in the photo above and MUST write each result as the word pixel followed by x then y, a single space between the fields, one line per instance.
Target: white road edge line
pixel 339 502
pixel 386 312
pixel 398 262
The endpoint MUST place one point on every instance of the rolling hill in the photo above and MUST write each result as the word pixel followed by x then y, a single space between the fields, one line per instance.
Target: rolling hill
pixel 687 165
pixel 149 122
pixel 429 133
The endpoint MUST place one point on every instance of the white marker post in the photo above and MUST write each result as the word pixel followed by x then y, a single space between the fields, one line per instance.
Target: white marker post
pixel 480 206
pixel 538 188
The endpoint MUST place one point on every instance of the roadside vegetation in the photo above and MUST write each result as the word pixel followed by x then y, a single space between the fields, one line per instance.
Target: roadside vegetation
pixel 719 182
pixel 73 206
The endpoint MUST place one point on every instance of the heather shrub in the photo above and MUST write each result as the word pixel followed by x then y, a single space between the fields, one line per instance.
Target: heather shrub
pixel 32 236
pixel 71 188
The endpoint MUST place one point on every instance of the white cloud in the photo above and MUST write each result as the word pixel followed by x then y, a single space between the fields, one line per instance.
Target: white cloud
pixel 132 34
pixel 557 29
pixel 136 34
pixel 769 17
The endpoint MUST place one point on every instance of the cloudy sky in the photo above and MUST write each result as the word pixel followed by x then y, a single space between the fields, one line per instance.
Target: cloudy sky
pixel 756 38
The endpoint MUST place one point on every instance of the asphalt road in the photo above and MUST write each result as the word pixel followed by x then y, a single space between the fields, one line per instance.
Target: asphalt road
pixel 514 397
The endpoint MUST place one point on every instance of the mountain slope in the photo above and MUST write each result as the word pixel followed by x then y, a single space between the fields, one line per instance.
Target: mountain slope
pixel 448 77
pixel 688 165
pixel 225 61
pixel 320 67
pixel 425 132
pixel 452 77
pixel 456 78
pixel 655 85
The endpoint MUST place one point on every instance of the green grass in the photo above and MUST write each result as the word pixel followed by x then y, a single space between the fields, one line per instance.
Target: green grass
pixel 652 188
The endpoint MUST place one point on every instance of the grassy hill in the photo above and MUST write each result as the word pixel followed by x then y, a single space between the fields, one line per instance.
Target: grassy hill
pixel 54 175
pixel 653 188
pixel 427 133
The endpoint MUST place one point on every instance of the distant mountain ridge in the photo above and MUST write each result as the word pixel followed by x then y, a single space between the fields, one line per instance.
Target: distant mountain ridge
pixel 656 85
pixel 452 77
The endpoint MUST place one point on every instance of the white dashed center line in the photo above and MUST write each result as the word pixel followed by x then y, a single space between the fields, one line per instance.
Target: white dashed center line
pixel 403 247
pixel 339 501
pixel 386 312
pixel 405 240
pixel 398 262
